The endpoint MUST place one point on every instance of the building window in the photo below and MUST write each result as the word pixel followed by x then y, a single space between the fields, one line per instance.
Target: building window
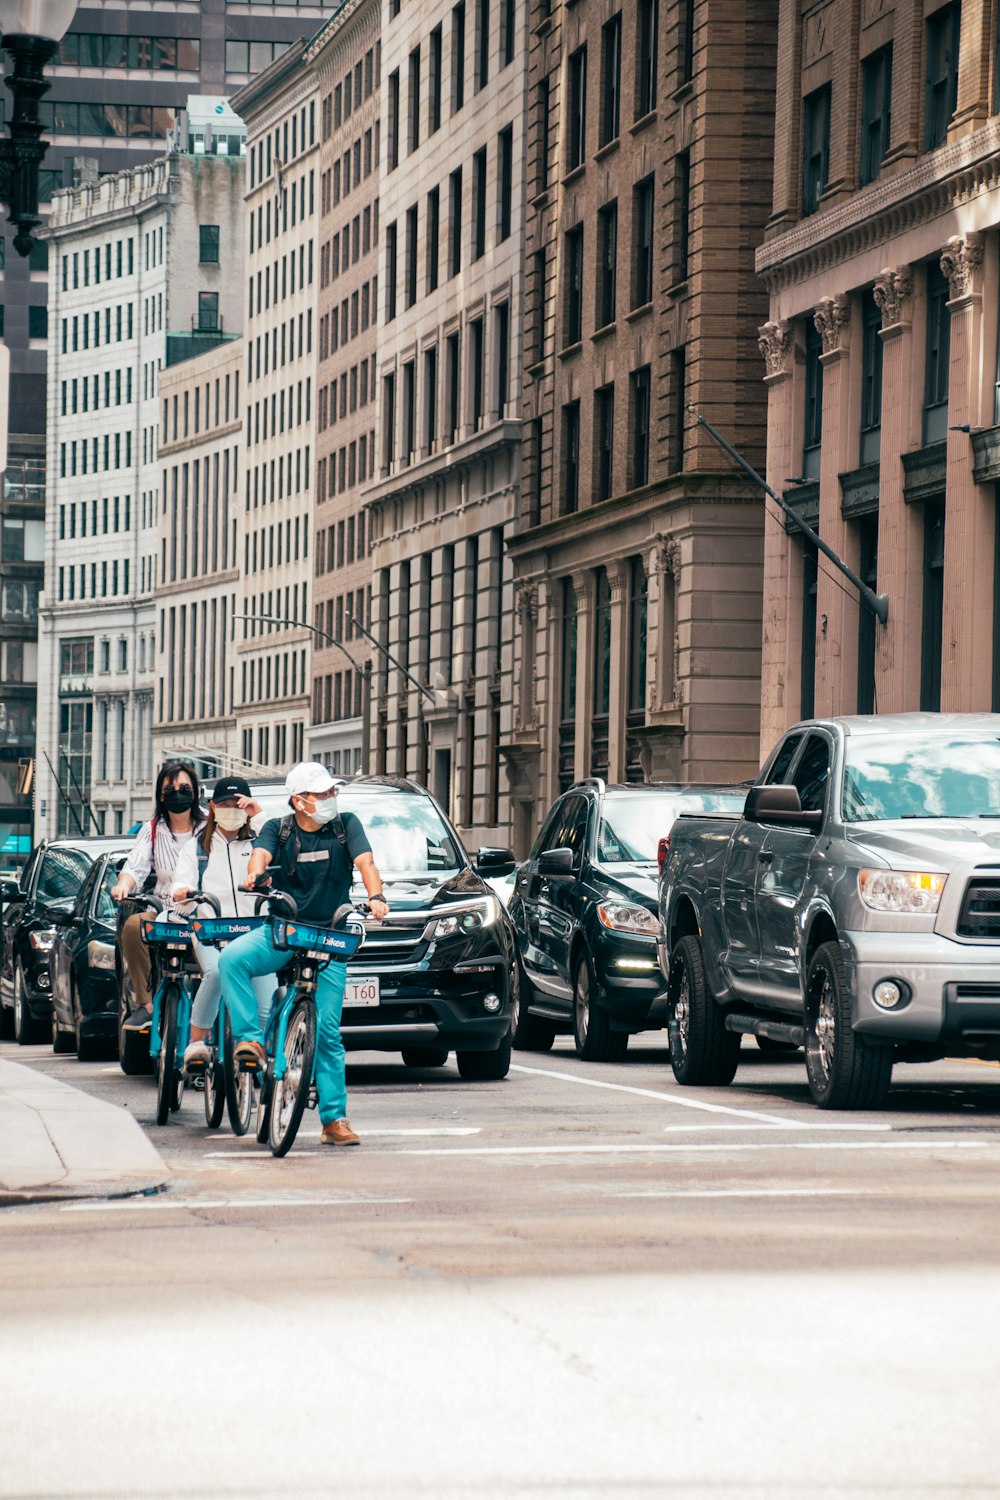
pixel 208 244
pixel 611 79
pixel 391 272
pixel 38 322
pixel 807 667
pixel 434 81
pixel 508 14
pixel 409 411
pixel 482 43
pixel 574 286
pixel 455 222
pixel 943 29
pixel 413 102
pixel 479 203
pixel 577 121
pixel 392 144
pixel 454 378
pixel 678 381
pixel 604 437
pixel 682 210
pixel 932 632
pixel 433 233
pixel 937 356
pixel 876 101
pixel 457 58
pixel 815 147
pixel 502 332
pixel 607 263
pixel 537 344
pixel 389 421
pixel 571 457
pixel 871 382
pixel 642 234
pixel 478 359
pixel 640 415
pixel 567 686
pixel 430 398
pixel 208 312
pixel 602 653
pixel 542 139
pixel 647 26
pixel 868 573
pixel 813 430
pixel 505 144
pixel 411 256
pixel 637 621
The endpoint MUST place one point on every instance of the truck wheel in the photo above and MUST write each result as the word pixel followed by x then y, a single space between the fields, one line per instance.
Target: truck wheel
pixel 845 1071
pixel 702 1051
pixel 529 1033
pixel 595 1041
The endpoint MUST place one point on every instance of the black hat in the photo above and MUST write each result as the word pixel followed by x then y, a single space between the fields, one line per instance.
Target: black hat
pixel 230 786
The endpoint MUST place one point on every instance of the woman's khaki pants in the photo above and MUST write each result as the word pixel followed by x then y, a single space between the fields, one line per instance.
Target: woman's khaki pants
pixel 136 956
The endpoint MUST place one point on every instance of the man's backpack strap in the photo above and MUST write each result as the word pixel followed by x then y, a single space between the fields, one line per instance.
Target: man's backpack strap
pixel 339 831
pixel 288 827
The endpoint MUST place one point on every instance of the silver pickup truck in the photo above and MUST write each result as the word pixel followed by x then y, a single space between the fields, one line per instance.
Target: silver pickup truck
pixel 853 909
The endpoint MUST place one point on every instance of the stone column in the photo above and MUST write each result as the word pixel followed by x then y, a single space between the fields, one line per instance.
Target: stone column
pixel 782 571
pixel 618 575
pixel 583 591
pixel 900 531
pixel 970 514
pixel 836 610
pixel 526 624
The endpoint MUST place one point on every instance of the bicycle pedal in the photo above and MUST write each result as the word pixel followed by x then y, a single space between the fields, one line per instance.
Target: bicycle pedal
pixel 313 1099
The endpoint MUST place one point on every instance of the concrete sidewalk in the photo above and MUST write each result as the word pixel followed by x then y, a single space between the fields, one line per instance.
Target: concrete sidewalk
pixel 57 1142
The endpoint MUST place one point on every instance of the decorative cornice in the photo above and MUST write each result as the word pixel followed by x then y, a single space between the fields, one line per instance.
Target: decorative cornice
pixel 776 342
pixel 960 260
pixel 892 291
pixel 831 317
pixel 943 179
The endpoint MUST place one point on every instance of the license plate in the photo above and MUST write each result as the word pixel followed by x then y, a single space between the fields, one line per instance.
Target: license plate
pixel 361 991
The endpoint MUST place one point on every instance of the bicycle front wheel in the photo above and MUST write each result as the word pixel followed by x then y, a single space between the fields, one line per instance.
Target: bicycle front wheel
pixel 215 1085
pixel 291 1093
pixel 239 1086
pixel 166 1062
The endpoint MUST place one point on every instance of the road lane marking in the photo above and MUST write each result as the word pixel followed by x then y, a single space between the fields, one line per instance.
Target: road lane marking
pixel 685 1103
pixel 696 1147
pixel 165 1201
pixel 832 1192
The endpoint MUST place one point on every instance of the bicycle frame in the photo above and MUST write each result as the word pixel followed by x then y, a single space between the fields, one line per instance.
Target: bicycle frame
pixel 168 951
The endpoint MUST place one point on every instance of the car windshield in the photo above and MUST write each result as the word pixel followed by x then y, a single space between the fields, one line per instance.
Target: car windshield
pixel 631 827
pixel 928 776
pixel 407 833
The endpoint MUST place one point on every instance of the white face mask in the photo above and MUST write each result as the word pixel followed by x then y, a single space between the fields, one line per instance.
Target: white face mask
pixel 230 819
pixel 322 812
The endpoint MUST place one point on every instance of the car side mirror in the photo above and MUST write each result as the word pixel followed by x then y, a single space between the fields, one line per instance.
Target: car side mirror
pixel 9 891
pixel 556 863
pixel 495 862
pixel 781 806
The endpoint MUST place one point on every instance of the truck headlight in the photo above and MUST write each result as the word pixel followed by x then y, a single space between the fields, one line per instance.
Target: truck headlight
pixel 43 939
pixel 626 916
pixel 470 916
pixel 910 891
pixel 101 955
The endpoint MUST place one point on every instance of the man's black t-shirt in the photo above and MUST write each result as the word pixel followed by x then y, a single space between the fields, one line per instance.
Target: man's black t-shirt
pixel 321 880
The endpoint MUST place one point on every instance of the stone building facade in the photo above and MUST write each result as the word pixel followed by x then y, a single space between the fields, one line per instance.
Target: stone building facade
pixel 346 61
pixel 144 271
pixel 637 548
pixel 882 260
pixel 281 110
pixel 443 500
pixel 197 570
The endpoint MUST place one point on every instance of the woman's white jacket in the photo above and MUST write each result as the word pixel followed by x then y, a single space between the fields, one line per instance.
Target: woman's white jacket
pixel 226 871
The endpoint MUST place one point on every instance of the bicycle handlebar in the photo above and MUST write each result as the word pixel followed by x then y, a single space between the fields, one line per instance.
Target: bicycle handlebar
pixel 273 898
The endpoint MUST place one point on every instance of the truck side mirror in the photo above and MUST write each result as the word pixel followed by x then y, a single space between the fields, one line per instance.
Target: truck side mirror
pixel 781 806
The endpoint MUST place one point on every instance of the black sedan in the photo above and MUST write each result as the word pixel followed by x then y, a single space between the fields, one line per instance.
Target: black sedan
pixel 82 965
pixel 584 910
pixel 48 888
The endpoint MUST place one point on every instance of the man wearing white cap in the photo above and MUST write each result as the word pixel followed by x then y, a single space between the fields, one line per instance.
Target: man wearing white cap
pixel 313 856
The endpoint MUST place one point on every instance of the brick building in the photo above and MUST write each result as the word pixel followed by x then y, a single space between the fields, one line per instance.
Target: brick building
pixel 346 60
pixel 881 260
pixel 637 551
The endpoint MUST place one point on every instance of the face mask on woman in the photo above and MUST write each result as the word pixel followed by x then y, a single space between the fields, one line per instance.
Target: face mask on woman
pixel 230 819
pixel 179 799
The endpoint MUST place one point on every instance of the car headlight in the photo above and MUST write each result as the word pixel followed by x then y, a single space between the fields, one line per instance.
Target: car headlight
pixel 101 955
pixel 43 939
pixel 469 917
pixel 912 891
pixel 626 916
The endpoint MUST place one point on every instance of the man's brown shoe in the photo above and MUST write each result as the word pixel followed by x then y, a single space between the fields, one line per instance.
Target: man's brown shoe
pixel 339 1133
pixel 250 1055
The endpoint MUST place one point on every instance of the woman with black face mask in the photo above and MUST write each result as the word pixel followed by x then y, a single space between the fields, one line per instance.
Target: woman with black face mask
pixel 176 820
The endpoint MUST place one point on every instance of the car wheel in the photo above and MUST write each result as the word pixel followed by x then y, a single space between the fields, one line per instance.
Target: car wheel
pixel 702 1051
pixel 425 1057
pixel 6 1022
pixel 845 1071
pixel 595 1041
pixel 133 1046
pixel 528 1033
pixel 485 1067
pixel 62 1041
pixel 25 1028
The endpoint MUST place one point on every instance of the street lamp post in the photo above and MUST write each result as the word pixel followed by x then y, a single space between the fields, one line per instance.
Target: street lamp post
pixel 31 31
pixel 364 672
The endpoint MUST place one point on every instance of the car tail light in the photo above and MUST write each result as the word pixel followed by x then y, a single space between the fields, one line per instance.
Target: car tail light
pixel 662 850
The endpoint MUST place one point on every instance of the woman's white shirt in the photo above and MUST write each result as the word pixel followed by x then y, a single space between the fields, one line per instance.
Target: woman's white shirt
pixel 161 855
pixel 226 871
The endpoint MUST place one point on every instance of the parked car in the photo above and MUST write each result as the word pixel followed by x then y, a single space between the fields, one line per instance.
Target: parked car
pixel 852 908
pixel 82 964
pixel 48 888
pixel 584 914
pixel 437 975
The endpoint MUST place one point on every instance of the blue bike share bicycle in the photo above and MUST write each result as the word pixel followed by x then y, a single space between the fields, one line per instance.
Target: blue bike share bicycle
pixel 227 1087
pixel 287 1086
pixel 174 971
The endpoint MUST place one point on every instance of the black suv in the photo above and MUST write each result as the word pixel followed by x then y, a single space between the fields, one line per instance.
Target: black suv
pixel 50 883
pixel 584 911
pixel 437 975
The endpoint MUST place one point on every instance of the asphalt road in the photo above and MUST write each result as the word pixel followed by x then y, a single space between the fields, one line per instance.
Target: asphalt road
pixel 580 1282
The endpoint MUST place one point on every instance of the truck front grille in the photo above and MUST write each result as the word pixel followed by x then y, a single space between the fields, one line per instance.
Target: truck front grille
pixel 980 914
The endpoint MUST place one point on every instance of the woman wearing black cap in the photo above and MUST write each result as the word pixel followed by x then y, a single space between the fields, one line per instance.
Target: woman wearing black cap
pixel 233 821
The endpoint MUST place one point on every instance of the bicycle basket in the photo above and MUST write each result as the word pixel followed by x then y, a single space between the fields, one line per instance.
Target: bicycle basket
pixel 317 939
pixel 224 929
